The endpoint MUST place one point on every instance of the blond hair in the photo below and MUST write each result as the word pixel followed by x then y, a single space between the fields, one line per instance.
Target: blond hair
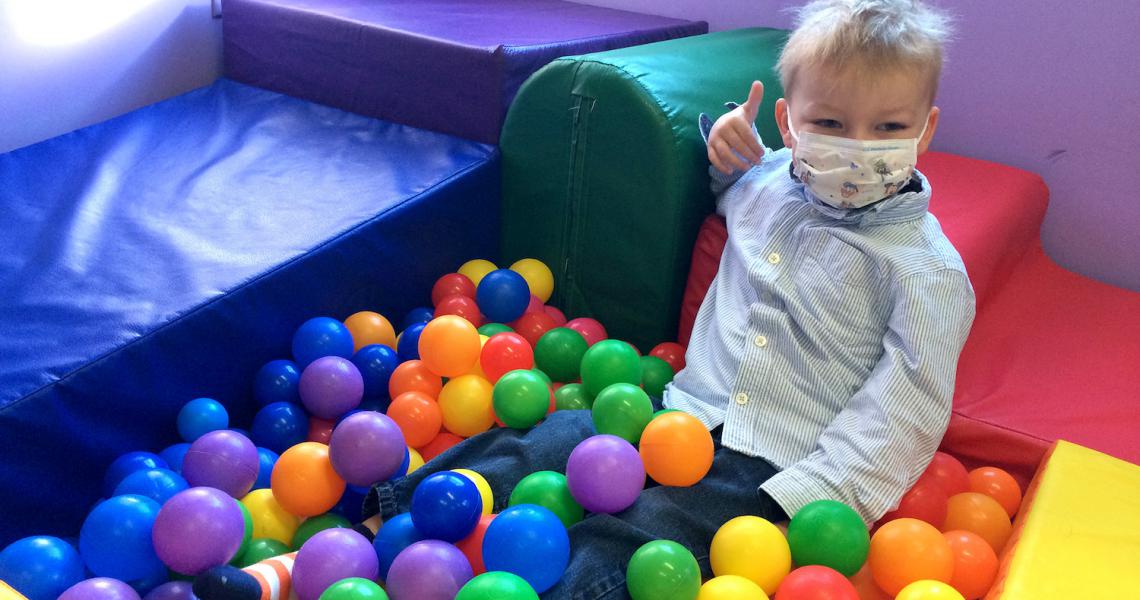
pixel 866 34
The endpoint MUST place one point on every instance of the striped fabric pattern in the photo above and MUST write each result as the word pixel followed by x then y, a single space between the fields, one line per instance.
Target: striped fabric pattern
pixel 829 340
pixel 275 576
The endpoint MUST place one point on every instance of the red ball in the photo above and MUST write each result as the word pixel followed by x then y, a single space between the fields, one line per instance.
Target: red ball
pixel 320 430
pixel 462 306
pixel 948 472
pixel 504 352
pixel 926 501
pixel 672 353
pixel 816 583
pixel 556 314
pixel 472 545
pixel 441 442
pixel 532 325
pixel 452 284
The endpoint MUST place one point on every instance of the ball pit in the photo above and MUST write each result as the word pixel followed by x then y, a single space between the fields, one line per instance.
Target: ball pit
pixel 40 567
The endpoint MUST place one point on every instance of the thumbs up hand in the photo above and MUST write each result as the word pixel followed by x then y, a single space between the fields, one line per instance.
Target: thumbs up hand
pixel 732 140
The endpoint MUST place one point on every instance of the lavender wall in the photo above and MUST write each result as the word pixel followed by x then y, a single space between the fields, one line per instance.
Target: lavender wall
pixel 1051 87
pixel 65 64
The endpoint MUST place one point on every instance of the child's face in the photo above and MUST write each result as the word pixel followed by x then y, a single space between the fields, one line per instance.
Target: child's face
pixel 859 104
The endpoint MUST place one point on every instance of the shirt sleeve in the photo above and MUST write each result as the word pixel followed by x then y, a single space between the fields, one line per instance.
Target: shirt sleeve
pixel 720 182
pixel 878 446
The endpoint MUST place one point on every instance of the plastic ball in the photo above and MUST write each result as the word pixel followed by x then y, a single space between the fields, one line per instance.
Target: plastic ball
pixel 521 399
pixel 266 458
pixel 321 336
pixel 277 381
pixel 128 463
pixel 730 587
pixel 572 396
pixel 157 484
pixel 418 316
pixel 446 506
pixel 928 590
pixel 438 445
pixel 393 536
pixel 676 449
pixel 532 326
pixel 260 549
pixel 753 548
pixel 304 481
pixel 314 525
pixel 465 404
pixel 948 472
pixel 559 353
pixel 490 329
pixel 530 542
pixel 368 328
pixel 486 497
pixel 605 474
pixel 225 460
pixel 415 460
pixel 172 590
pixel 173 456
pixel 592 330
pixel 908 550
pixel 538 277
pixel 555 313
pixel 865 585
pixel 330 556
pixel 100 588
pixel 926 501
pixel 980 514
pixel 829 533
pixel 200 416
pixel 376 364
pixel 505 352
pixel 115 540
pixel 535 304
pixel 999 485
pixel 623 410
pixel 270 519
pixel 428 570
pixel 472 545
pixel 158 576
pixel 460 306
pixel 476 269
pixel 408 342
pixel 198 529
pixel 672 353
pixel 40 567
pixel 331 386
pixel 414 376
pixel 452 284
pixel 497 586
pixel 367 447
pixel 975 564
pixel 549 490
pixel 655 375
pixel 280 426
pixel 320 430
pixel 418 416
pixel 354 588
pixel 502 295
pixel 663 569
pixel 449 346
pixel 608 362
pixel 814 582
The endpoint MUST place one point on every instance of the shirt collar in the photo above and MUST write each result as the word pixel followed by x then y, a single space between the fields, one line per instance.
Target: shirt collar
pixel 909 204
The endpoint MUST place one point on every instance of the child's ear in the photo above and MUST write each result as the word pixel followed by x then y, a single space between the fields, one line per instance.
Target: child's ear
pixel 931 126
pixel 782 121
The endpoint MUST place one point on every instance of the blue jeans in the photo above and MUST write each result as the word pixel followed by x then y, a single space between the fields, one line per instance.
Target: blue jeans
pixel 600 545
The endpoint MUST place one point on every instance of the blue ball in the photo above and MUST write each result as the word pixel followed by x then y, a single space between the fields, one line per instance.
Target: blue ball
pixel 422 314
pixel 446 506
pixel 201 416
pixel 277 381
pixel 503 296
pixel 266 458
pixel 351 504
pixel 129 463
pixel 409 346
pixel 174 454
pixel 115 540
pixel 376 363
pixel 40 567
pixel 402 471
pixel 280 426
pixel 529 541
pixel 144 585
pixel 319 337
pixel 157 484
pixel 394 535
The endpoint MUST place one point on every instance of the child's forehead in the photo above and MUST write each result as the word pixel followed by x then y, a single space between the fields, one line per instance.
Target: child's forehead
pixel 839 86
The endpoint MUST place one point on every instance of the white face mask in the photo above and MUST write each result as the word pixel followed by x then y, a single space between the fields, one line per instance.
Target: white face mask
pixel 847 173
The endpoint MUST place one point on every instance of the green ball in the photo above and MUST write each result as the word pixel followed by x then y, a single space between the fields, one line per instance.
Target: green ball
pixel 664 411
pixel 313 525
pixel 246 537
pixel 622 409
pixel 608 362
pixel 354 588
pixel 559 353
pixel 829 533
pixel 655 373
pixel 521 398
pixel 496 585
pixel 490 329
pixel 549 490
pixel 572 396
pixel 663 569
pixel 544 376
pixel 261 549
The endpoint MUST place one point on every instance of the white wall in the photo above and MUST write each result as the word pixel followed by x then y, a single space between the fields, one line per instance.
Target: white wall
pixel 65 64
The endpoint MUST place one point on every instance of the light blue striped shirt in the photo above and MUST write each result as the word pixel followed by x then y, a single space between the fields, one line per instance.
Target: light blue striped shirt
pixel 829 340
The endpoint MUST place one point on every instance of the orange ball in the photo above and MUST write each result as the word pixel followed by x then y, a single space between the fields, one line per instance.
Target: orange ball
pixel 449 345
pixel 907 550
pixel 369 328
pixel 975 564
pixel 999 485
pixel 677 449
pixel 980 514
pixel 414 376
pixel 304 482
pixel 418 416
pixel 866 587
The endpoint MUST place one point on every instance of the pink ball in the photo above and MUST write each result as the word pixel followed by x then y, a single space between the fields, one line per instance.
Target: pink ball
pixel 535 305
pixel 556 314
pixel 590 329
pixel 331 386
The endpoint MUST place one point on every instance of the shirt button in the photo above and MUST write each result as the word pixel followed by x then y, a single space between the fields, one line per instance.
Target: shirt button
pixel 742 398
pixel 774 258
pixel 760 341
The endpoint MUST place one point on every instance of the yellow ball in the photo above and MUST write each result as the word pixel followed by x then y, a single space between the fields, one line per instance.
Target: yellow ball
pixel 477 369
pixel 537 276
pixel 929 589
pixel 269 519
pixel 476 269
pixel 416 460
pixel 466 405
pixel 753 548
pixel 731 587
pixel 484 488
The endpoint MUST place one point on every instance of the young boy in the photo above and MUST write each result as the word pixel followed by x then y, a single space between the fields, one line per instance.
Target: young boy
pixel 823 357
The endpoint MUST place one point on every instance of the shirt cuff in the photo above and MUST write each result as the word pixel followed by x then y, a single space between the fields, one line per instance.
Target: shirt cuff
pixel 792 491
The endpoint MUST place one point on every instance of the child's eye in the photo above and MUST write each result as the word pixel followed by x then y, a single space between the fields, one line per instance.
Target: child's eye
pixel 827 123
pixel 892 127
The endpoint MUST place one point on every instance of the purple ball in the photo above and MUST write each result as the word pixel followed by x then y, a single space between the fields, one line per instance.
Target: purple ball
pixel 367 447
pixel 428 570
pixel 605 474
pixel 328 557
pixel 222 459
pixel 198 529
pixel 172 590
pixel 331 386
pixel 100 588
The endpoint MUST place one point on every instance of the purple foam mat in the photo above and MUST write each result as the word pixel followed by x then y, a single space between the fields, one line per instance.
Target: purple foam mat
pixel 447 65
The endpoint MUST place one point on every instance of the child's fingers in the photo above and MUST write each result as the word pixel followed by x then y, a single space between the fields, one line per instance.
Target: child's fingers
pixel 730 157
pixel 714 159
pixel 742 140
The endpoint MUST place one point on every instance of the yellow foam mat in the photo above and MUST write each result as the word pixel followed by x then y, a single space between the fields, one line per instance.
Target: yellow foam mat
pixel 1078 533
pixel 7 593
